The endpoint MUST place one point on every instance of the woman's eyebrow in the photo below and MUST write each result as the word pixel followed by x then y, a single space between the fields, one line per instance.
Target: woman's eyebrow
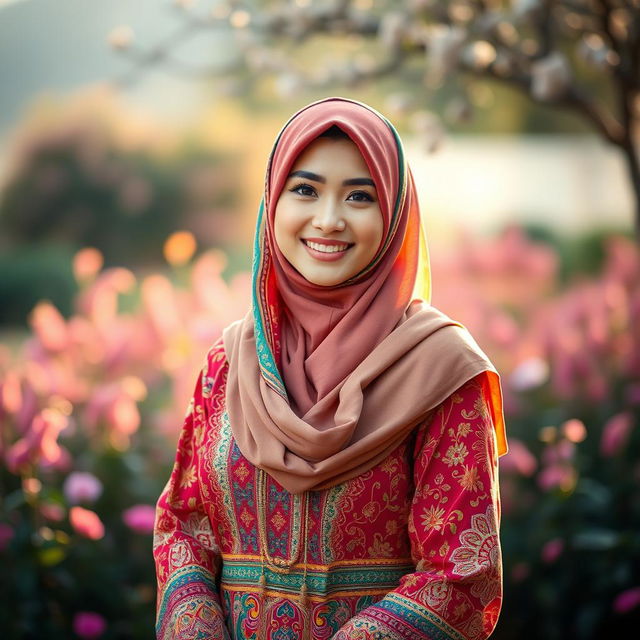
pixel 359 181
pixel 308 175
pixel 317 178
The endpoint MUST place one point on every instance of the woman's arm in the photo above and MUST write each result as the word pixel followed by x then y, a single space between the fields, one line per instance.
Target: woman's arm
pixel 456 590
pixel 184 548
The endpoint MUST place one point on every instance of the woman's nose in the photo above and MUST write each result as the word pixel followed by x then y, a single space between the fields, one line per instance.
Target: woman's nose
pixel 329 218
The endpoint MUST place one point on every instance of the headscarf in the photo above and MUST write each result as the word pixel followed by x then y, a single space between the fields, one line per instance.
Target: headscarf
pixel 325 381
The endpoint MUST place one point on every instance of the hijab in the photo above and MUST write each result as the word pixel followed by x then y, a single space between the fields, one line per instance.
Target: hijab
pixel 325 381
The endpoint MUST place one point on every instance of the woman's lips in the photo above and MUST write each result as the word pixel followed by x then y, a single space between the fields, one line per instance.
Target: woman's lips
pixel 326 250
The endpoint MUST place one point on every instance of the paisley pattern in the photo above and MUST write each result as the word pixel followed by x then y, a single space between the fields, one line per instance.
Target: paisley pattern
pixel 408 550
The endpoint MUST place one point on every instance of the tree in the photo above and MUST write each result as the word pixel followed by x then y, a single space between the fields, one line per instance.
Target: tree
pixel 582 56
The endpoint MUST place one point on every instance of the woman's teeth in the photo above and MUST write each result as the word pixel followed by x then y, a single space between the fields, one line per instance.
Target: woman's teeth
pixel 327 248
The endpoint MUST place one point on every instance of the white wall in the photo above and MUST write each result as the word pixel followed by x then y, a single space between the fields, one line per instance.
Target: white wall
pixel 484 182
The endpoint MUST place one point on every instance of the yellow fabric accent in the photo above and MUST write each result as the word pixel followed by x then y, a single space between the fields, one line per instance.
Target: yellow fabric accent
pixel 422 287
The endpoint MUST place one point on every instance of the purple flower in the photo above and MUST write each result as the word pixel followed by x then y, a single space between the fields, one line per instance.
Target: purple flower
pixel 140 518
pixel 627 600
pixel 81 486
pixel 552 550
pixel 89 625
pixel 616 433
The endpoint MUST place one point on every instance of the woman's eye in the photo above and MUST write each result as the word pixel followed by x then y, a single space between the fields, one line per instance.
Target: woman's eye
pixel 303 190
pixel 361 196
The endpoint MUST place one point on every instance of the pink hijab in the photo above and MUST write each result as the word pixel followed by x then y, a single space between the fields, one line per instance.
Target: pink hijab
pixel 325 381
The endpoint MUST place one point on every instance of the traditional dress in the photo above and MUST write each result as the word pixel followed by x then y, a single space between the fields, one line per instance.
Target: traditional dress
pixel 336 475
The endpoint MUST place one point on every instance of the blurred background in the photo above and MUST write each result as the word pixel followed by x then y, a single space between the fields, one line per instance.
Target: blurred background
pixel 134 138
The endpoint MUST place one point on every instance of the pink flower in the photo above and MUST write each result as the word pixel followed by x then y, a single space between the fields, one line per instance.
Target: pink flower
pixel 40 443
pixel 87 263
pixel 82 487
pixel 115 406
pixel 627 600
pixel 559 452
pixel 140 518
pixel 6 535
pixel 88 625
pixel 615 434
pixel 557 475
pixel 49 326
pixel 552 550
pixel 519 459
pixel 86 523
pixel 52 511
pixel 574 430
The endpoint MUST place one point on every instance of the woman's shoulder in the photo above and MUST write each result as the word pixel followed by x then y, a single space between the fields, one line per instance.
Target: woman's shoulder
pixel 449 337
pixel 217 354
pixel 215 365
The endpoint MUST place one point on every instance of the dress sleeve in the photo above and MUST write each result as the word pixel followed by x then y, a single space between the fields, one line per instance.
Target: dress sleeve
pixel 456 589
pixel 186 554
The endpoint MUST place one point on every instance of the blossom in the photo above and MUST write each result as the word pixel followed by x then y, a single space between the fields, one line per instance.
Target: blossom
pixel 627 600
pixel 562 451
pixel 87 263
pixel 52 511
pixel 140 518
pixel 557 475
pixel 88 625
pixel 550 77
pixel 574 430
pixel 615 434
pixel 552 550
pixel 50 327
pixel 40 443
pixel 518 459
pixel 114 405
pixel 86 523
pixel 82 487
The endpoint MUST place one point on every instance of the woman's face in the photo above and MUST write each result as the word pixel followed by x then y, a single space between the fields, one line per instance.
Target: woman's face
pixel 328 223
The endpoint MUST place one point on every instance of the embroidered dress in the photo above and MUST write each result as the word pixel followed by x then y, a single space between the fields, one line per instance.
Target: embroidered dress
pixel 407 550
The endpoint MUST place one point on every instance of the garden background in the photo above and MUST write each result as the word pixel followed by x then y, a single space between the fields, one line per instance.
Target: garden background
pixel 134 143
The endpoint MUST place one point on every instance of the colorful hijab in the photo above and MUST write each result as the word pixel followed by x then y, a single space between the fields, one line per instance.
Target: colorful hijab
pixel 324 382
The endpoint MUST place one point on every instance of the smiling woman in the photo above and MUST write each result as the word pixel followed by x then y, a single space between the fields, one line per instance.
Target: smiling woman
pixel 327 226
pixel 336 475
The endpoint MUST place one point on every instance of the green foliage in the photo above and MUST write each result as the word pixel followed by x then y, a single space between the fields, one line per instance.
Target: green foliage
pixel 33 273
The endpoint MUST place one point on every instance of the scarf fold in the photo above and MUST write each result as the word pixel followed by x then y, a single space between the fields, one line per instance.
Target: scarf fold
pixel 324 382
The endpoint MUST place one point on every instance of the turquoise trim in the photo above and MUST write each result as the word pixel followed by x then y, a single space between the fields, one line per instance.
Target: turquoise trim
pixel 264 352
pixel 419 617
pixel 192 574
pixel 358 578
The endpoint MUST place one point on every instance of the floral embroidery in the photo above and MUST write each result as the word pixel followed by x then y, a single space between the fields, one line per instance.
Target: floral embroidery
pixel 432 518
pixel 456 454
pixel 470 479
pixel 188 478
pixel 479 545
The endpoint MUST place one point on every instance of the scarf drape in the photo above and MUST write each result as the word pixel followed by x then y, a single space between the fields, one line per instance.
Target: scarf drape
pixel 323 381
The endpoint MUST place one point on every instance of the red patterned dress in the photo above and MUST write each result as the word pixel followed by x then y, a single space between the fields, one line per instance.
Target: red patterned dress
pixel 407 550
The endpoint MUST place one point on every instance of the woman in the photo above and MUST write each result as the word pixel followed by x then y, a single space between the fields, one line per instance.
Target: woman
pixel 336 475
